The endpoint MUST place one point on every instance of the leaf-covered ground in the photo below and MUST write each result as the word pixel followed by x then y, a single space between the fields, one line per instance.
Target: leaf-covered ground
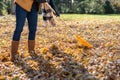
pixel 59 56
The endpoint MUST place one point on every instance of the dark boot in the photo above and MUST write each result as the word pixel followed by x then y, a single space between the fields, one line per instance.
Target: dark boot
pixel 31 46
pixel 14 50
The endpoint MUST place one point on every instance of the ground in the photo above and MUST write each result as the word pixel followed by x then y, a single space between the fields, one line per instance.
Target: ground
pixel 59 55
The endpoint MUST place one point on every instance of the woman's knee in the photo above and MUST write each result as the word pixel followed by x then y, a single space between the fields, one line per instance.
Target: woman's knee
pixel 32 31
pixel 18 31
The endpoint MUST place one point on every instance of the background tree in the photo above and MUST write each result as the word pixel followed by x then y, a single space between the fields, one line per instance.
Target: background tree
pixel 108 7
pixel 73 6
pixel 12 7
pixel 116 5
pixel 3 7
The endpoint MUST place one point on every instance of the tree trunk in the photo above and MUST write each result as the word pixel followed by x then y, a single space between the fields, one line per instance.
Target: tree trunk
pixel 12 7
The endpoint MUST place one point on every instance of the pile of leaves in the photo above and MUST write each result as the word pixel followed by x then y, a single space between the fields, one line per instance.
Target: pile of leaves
pixel 59 56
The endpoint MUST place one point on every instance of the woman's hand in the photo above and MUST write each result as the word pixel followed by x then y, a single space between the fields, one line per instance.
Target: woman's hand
pixel 46 6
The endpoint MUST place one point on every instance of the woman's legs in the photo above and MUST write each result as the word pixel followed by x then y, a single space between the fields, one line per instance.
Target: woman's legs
pixel 20 20
pixel 21 15
pixel 32 18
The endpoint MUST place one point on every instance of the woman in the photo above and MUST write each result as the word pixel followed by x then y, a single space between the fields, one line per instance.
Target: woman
pixel 25 9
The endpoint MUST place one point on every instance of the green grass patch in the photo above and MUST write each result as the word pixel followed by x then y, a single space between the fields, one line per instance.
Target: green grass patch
pixel 80 17
pixel 88 16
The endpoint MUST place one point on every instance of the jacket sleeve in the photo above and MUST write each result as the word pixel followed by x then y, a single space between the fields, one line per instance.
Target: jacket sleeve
pixel 54 7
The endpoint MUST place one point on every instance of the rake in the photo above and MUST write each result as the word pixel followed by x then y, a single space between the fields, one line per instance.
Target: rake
pixel 80 40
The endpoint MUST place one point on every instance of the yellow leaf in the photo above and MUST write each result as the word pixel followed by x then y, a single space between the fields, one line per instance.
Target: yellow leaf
pixel 2 77
pixel 44 50
pixel 100 75
pixel 25 55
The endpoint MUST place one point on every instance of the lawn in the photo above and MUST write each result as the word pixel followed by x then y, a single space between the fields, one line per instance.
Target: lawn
pixel 59 55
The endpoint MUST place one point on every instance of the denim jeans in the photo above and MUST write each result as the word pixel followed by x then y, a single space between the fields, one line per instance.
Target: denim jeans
pixel 32 18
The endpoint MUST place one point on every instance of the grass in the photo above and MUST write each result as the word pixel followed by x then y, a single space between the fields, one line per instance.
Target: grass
pixel 91 16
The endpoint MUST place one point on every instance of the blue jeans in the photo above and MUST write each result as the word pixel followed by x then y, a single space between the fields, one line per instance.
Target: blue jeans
pixel 32 18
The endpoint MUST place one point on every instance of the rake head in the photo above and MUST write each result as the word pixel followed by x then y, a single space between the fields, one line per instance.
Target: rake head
pixel 83 42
